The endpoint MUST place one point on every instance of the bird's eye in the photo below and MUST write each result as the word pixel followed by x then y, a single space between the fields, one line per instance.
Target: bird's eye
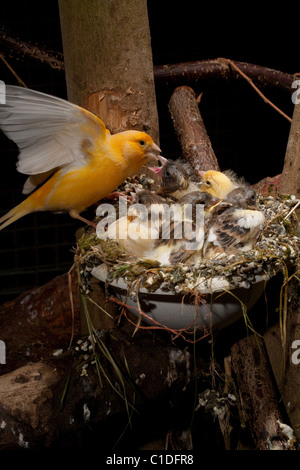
pixel 142 142
pixel 208 183
pixel 167 173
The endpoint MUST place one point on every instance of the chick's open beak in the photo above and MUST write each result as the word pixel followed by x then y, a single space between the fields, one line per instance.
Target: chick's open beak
pixel 157 170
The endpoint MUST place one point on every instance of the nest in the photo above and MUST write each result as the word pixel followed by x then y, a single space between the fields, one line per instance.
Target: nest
pixel 277 250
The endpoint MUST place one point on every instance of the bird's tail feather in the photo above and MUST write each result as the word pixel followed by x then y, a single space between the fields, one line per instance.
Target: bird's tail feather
pixel 14 214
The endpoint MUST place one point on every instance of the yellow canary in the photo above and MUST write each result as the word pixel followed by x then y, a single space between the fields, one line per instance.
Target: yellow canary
pixel 69 150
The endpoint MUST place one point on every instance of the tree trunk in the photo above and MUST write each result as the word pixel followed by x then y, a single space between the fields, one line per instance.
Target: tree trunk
pixel 282 339
pixel 108 62
pixel 290 179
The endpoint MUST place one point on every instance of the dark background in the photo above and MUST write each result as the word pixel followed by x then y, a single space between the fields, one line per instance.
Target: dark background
pixel 247 135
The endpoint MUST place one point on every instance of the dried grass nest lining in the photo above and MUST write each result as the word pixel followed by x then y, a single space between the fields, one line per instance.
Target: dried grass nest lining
pixel 276 251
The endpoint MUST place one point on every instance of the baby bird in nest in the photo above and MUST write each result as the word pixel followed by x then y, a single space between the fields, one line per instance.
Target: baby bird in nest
pixel 181 240
pixel 136 231
pixel 234 224
pixel 220 184
pixel 174 179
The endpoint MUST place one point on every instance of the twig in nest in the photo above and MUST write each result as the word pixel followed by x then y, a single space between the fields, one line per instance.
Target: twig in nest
pixel 292 210
pixel 12 71
pixel 266 100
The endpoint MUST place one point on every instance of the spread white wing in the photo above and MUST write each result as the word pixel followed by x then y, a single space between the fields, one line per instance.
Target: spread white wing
pixel 50 132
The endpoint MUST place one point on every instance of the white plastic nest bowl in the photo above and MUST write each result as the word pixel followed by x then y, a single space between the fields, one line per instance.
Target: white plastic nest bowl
pixel 178 311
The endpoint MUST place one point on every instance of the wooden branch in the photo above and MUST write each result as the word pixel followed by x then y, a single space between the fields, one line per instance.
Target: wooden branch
pixel 257 392
pixel 191 72
pixel 190 129
pixel 34 51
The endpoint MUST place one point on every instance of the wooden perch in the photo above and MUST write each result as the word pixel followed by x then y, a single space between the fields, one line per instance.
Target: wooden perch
pixel 258 397
pixel 34 51
pixel 190 129
pixel 191 72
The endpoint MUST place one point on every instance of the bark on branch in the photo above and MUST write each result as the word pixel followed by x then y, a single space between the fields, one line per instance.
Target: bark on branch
pixel 25 49
pixel 191 72
pixel 190 129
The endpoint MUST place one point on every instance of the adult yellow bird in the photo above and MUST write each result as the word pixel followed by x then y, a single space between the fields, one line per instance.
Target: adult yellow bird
pixel 68 149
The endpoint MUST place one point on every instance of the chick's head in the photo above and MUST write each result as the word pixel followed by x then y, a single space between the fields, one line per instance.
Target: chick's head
pixel 216 183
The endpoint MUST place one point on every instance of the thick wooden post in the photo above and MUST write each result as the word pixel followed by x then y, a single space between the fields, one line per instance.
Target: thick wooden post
pixel 283 342
pixel 290 178
pixel 108 62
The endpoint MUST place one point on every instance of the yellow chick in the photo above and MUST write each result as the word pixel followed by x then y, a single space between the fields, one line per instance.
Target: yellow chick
pixel 71 158
pixel 219 184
